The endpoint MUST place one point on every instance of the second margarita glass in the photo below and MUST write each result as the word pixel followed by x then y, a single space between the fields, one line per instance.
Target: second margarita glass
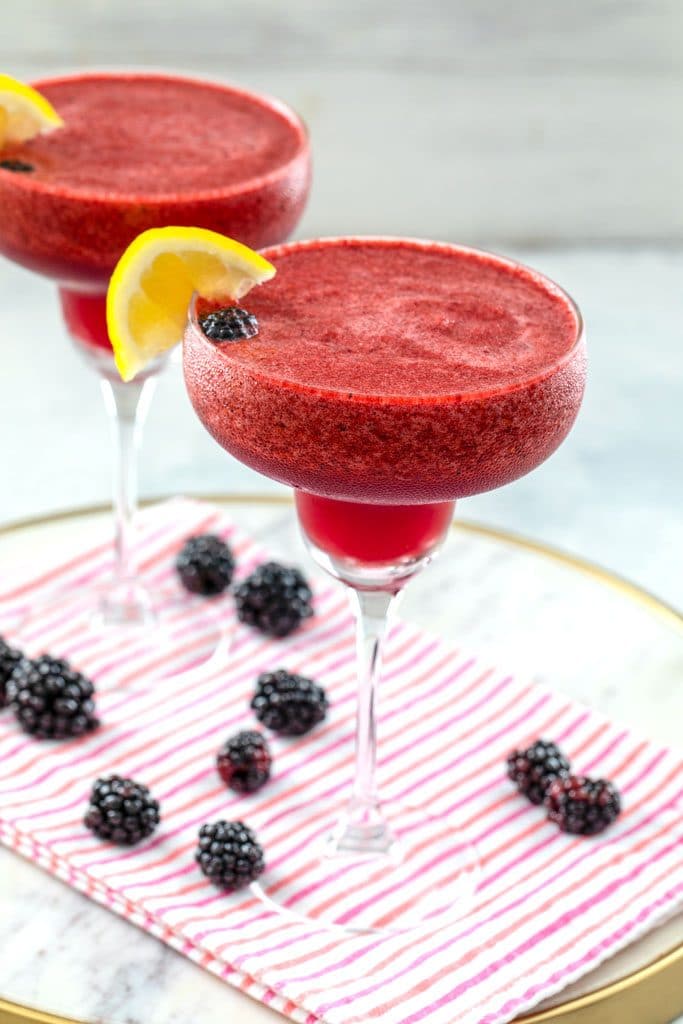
pixel 138 151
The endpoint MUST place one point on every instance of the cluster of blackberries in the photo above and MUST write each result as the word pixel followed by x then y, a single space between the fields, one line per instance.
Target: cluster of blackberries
pixel 575 803
pixel 49 698
pixel 124 811
pixel 275 598
pixel 290 705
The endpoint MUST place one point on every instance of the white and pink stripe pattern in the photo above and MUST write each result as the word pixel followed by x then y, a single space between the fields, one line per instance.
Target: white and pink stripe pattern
pixel 549 907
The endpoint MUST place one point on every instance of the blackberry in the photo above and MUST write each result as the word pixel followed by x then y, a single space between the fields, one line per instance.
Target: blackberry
pixel 288 704
pixel 229 854
pixel 274 599
pixel 244 761
pixel 532 770
pixel 121 810
pixel 18 166
pixel 229 324
pixel 50 699
pixel 205 565
pixel 582 806
pixel 9 659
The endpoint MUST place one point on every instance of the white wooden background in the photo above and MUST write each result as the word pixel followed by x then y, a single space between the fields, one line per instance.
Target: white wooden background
pixel 535 120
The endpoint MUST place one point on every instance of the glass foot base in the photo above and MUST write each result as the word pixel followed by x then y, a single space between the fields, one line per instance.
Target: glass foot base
pixel 422 875
pixel 127 606
pixel 125 642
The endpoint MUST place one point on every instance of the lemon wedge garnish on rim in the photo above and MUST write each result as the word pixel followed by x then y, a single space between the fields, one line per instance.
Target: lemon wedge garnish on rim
pixel 154 281
pixel 24 113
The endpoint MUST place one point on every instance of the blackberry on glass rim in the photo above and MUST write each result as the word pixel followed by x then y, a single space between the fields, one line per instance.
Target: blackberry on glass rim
pixel 229 324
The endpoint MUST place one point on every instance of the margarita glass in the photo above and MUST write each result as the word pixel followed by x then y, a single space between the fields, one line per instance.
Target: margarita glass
pixel 138 151
pixel 389 378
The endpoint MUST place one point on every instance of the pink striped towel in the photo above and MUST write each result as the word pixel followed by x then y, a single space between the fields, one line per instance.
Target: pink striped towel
pixel 548 908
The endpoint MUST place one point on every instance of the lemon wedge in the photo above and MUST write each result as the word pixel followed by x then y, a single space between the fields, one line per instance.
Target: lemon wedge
pixel 153 283
pixel 24 113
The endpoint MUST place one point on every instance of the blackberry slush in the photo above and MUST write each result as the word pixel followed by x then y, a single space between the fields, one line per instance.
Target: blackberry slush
pixel 388 379
pixel 138 151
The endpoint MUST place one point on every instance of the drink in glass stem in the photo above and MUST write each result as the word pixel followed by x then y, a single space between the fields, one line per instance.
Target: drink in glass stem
pixel 138 151
pixel 389 378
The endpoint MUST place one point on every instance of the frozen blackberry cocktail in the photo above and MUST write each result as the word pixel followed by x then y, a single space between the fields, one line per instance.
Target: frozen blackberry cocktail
pixel 388 378
pixel 138 151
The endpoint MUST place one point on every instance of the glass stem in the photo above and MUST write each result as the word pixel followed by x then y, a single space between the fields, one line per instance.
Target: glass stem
pixel 363 829
pixel 126 405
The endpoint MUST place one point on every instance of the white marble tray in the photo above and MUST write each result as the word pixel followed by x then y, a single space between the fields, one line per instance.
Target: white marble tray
pixel 622 651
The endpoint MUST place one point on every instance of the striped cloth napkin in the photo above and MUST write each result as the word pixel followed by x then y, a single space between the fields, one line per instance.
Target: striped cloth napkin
pixel 549 907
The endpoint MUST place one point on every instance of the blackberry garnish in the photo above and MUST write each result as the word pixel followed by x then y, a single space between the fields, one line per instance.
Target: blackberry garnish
pixel 244 761
pixel 532 770
pixel 121 810
pixel 9 659
pixel 205 565
pixel 581 805
pixel 50 699
pixel 229 324
pixel 274 599
pixel 18 166
pixel 288 704
pixel 229 854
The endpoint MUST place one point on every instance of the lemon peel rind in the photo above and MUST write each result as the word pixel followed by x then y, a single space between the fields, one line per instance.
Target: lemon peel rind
pixel 32 108
pixel 248 267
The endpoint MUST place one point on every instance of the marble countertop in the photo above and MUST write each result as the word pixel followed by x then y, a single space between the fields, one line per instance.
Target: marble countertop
pixel 613 492
pixel 63 953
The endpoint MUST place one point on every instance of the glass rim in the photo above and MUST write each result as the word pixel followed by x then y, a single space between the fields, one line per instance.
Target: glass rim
pixel 330 241
pixel 288 114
